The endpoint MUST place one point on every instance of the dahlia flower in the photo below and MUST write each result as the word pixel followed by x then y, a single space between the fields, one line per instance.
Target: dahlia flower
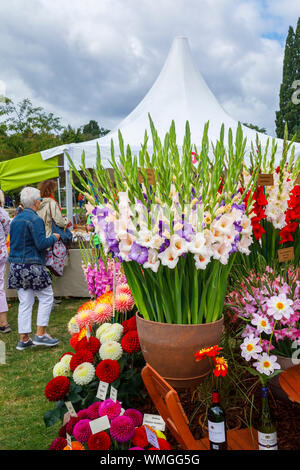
pixel 108 370
pixel 61 369
pixel 135 415
pixel 87 306
pixel 124 302
pixel 129 324
pixel 110 408
pixel 102 313
pixel 102 328
pixel 122 429
pixel 80 357
pixel 75 446
pixel 92 344
pixel 111 350
pixel 130 342
pixel 93 410
pixel 114 333
pixel 84 318
pixel 84 373
pixel 66 358
pixel 140 438
pixel 71 423
pixel 99 441
pixel 58 444
pixel 57 388
pixel 82 430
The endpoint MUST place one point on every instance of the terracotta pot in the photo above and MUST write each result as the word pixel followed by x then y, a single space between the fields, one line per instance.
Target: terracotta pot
pixel 276 390
pixel 170 349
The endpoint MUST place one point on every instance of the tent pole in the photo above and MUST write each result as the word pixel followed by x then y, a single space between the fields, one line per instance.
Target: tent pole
pixel 58 190
pixel 69 194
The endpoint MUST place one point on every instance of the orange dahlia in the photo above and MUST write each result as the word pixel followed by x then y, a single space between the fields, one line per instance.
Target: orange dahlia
pixel 89 305
pixel 75 446
pixel 106 298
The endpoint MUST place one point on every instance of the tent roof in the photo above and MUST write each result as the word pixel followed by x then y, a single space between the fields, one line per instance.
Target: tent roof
pixel 180 94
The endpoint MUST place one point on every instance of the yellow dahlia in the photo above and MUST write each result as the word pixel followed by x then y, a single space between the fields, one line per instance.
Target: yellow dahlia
pixel 61 369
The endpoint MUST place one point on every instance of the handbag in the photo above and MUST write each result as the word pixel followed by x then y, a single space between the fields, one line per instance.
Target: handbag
pixel 65 233
pixel 56 258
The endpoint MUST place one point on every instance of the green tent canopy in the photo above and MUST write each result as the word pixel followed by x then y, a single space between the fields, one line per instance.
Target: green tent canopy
pixel 23 171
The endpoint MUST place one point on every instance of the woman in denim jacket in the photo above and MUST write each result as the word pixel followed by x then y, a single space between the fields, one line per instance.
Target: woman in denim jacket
pixel 28 275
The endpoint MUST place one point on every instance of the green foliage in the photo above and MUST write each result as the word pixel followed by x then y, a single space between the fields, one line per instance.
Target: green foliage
pixel 289 112
pixel 256 128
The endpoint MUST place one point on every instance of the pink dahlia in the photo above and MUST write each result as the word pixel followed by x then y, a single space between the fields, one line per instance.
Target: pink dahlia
pixel 82 430
pixel 110 408
pixel 83 414
pixel 84 318
pixel 70 424
pixel 102 313
pixel 124 302
pixel 122 429
pixel 135 415
pixel 123 289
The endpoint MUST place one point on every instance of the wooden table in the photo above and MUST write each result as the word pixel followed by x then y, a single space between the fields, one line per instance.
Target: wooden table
pixel 289 381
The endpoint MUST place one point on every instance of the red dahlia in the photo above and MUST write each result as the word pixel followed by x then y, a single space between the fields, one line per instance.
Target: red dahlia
pixel 92 344
pixel 129 324
pixel 99 441
pixel 71 423
pixel 140 437
pixel 108 370
pixel 130 342
pixel 57 388
pixel 74 340
pixel 58 444
pixel 80 357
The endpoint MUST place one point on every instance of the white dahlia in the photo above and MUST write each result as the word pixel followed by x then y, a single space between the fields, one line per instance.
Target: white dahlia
pixel 84 373
pixel 111 350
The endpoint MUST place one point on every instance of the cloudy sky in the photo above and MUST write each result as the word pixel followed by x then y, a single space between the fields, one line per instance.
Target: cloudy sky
pixel 96 59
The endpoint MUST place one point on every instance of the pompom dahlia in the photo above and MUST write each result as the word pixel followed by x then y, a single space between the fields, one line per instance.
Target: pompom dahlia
pixel 84 373
pixel 58 444
pixel 110 408
pixel 139 438
pixel 61 369
pixel 114 333
pixel 122 429
pixel 135 415
pixel 130 342
pixel 83 414
pixel 57 388
pixel 102 328
pixel 111 350
pixel 93 410
pixel 99 441
pixel 92 344
pixel 74 340
pixel 62 432
pixel 66 357
pixel 108 370
pixel 129 325
pixel 82 430
pixel 71 423
pixel 80 357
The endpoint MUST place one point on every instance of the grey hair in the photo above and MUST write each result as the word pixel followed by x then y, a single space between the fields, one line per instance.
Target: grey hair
pixel 29 195
pixel 2 198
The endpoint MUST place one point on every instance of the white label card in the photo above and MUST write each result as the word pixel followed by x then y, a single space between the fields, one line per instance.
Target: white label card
pixel 88 332
pixel 75 328
pixel 71 409
pixel 102 390
pixel 152 437
pixel 69 441
pixel 154 421
pixel 113 394
pixel 99 424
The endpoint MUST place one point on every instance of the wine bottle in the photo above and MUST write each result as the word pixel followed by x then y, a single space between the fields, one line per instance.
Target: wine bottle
pixel 267 435
pixel 216 424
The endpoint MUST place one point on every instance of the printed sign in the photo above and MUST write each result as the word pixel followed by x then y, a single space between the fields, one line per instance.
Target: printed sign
pixel 152 437
pixel 71 409
pixel 298 179
pixel 67 417
pixel 102 390
pixel 99 424
pixel 150 176
pixel 88 332
pixel 265 180
pixel 154 421
pixel 69 441
pixel 286 254
pixel 2 352
pixel 75 328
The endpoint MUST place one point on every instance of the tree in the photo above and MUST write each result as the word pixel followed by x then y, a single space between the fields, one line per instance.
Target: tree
pixel 289 111
pixel 26 129
pixel 256 128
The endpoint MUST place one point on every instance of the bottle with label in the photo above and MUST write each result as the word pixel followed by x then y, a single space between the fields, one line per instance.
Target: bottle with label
pixel 216 424
pixel 267 436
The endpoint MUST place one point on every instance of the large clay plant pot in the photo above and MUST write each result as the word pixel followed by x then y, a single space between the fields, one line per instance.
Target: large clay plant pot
pixel 170 349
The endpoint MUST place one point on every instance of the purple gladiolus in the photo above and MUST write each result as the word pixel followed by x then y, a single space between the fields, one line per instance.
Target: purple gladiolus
pixel 138 253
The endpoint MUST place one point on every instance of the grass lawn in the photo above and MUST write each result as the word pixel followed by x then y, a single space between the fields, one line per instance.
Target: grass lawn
pixel 23 379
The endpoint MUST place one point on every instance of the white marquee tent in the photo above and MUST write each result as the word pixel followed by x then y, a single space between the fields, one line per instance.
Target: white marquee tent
pixel 180 94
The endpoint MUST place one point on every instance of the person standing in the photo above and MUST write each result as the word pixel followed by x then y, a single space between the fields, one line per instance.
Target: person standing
pixel 50 208
pixel 4 232
pixel 27 274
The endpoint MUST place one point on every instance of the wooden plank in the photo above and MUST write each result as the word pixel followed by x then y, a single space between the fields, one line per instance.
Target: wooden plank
pixel 265 179
pixel 289 381
pixel 242 439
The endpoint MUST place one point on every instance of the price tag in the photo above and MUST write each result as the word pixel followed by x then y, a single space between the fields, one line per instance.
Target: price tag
pixel 298 179
pixel 152 437
pixel 265 179
pixel 69 441
pixel 150 176
pixel 122 411
pixel 102 390
pixel 88 332
pixel 99 424
pixel 113 394
pixel 71 409
pixel 154 421
pixel 67 417
pixel 286 254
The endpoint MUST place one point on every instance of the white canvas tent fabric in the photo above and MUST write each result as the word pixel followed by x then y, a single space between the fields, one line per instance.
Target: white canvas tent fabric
pixel 180 94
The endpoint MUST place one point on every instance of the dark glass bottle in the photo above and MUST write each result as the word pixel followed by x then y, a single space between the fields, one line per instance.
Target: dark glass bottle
pixel 216 424
pixel 267 436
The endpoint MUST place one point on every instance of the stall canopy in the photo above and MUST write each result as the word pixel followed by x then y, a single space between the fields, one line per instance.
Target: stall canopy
pixel 23 171
pixel 179 93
